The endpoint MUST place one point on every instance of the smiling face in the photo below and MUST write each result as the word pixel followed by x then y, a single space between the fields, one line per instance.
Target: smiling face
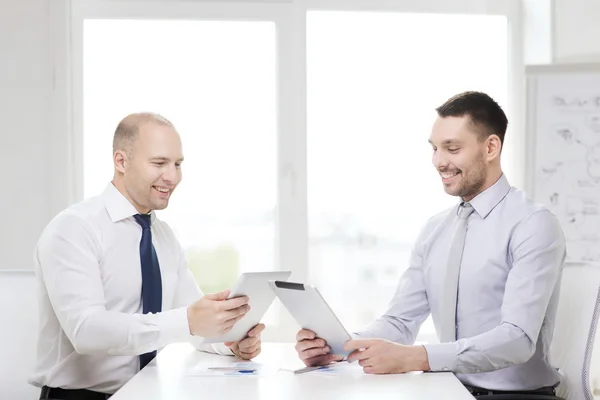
pixel 150 170
pixel 460 156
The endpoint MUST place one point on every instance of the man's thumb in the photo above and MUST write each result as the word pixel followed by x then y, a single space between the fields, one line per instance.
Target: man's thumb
pixel 222 295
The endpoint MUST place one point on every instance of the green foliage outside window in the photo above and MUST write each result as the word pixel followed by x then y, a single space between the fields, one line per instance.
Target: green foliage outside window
pixel 214 269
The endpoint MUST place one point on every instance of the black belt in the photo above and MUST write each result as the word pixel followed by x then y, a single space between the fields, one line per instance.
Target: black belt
pixel 477 391
pixel 71 394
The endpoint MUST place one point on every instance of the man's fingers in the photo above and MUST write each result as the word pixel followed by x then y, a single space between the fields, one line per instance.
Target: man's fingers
pixel 249 356
pixel 226 329
pixel 365 362
pixel 222 295
pixel 237 313
pixel 250 349
pixel 358 355
pixel 249 342
pixel 319 360
pixel 358 344
pixel 257 330
pixel 304 334
pixel 228 325
pixel 310 344
pixel 232 304
pixel 315 352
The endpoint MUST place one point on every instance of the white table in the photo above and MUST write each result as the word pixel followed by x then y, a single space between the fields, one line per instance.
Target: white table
pixel 166 378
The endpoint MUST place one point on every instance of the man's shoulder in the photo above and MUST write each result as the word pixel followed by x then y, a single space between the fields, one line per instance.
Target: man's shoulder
pixel 440 217
pixel 78 215
pixel 436 222
pixel 519 207
pixel 161 228
pixel 160 223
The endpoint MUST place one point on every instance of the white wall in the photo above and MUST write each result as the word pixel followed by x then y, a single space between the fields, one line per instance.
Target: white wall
pixel 25 90
pixel 576 30
pixel 32 156
pixel 17 335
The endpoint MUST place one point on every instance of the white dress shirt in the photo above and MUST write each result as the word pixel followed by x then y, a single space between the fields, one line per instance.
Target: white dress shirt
pixel 91 326
pixel 507 292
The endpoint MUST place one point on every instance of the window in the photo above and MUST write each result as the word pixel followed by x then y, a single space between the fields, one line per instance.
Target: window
pixel 374 81
pixel 304 126
pixel 215 81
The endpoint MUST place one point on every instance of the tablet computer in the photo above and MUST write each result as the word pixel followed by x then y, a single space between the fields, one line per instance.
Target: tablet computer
pixel 311 311
pixel 255 285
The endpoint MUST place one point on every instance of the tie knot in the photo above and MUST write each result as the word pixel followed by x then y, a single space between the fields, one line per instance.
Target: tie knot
pixel 466 209
pixel 144 220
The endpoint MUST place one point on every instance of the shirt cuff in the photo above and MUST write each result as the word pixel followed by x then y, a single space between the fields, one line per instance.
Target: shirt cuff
pixel 215 348
pixel 220 348
pixel 173 326
pixel 443 356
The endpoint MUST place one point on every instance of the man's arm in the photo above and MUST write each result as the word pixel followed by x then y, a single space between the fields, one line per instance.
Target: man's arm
pixel 538 252
pixel 409 306
pixel 68 257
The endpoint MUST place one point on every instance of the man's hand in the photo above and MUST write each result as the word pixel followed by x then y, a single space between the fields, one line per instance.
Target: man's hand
pixel 378 356
pixel 248 348
pixel 313 350
pixel 214 315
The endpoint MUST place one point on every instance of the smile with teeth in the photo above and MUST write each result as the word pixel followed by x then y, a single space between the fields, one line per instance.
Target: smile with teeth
pixel 448 175
pixel 161 189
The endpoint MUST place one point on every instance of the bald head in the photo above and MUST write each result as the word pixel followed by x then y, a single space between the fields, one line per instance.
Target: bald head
pixel 129 129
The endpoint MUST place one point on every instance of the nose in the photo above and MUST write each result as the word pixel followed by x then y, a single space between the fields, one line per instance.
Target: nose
pixel 439 160
pixel 171 175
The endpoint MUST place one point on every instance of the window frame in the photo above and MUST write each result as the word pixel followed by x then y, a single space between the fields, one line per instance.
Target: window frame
pixel 289 16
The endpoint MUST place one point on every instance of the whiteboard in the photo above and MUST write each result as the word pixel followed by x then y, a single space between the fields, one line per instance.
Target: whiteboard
pixel 563 121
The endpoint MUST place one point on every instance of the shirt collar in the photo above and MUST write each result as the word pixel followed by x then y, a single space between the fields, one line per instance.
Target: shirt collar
pixel 117 205
pixel 485 201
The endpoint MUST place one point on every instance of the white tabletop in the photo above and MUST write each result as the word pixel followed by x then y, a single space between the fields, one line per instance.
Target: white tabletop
pixel 167 378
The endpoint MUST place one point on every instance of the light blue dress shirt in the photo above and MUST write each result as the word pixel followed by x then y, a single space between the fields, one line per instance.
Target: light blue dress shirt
pixel 507 292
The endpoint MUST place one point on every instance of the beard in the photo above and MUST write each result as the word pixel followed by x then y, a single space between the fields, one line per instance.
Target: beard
pixel 473 180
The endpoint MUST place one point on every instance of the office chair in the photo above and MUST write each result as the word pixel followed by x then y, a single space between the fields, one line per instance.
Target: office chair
pixel 575 330
pixel 574 334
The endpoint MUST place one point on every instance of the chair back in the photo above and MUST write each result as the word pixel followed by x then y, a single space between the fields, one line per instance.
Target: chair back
pixel 575 329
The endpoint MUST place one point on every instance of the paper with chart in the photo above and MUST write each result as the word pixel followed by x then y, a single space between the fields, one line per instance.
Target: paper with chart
pixel 567 166
pixel 232 369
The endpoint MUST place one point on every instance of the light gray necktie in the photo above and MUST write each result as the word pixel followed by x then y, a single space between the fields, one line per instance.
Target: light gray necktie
pixel 448 326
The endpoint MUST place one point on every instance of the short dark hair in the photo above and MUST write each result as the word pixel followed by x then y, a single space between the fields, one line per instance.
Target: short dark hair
pixel 486 116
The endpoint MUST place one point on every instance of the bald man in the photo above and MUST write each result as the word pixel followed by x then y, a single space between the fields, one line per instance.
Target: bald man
pixel 113 283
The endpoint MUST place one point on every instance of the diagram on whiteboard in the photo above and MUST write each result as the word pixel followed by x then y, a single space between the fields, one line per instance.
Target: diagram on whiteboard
pixel 567 162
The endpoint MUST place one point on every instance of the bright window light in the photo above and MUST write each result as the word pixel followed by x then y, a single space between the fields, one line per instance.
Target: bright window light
pixel 374 81
pixel 216 81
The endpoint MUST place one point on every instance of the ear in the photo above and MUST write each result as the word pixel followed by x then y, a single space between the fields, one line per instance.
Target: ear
pixel 120 159
pixel 493 147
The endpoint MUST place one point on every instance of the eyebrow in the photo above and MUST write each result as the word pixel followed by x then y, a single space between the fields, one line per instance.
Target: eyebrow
pixel 447 142
pixel 165 159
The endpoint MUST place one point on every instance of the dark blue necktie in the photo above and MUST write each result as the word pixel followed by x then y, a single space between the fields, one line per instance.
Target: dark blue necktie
pixel 151 281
